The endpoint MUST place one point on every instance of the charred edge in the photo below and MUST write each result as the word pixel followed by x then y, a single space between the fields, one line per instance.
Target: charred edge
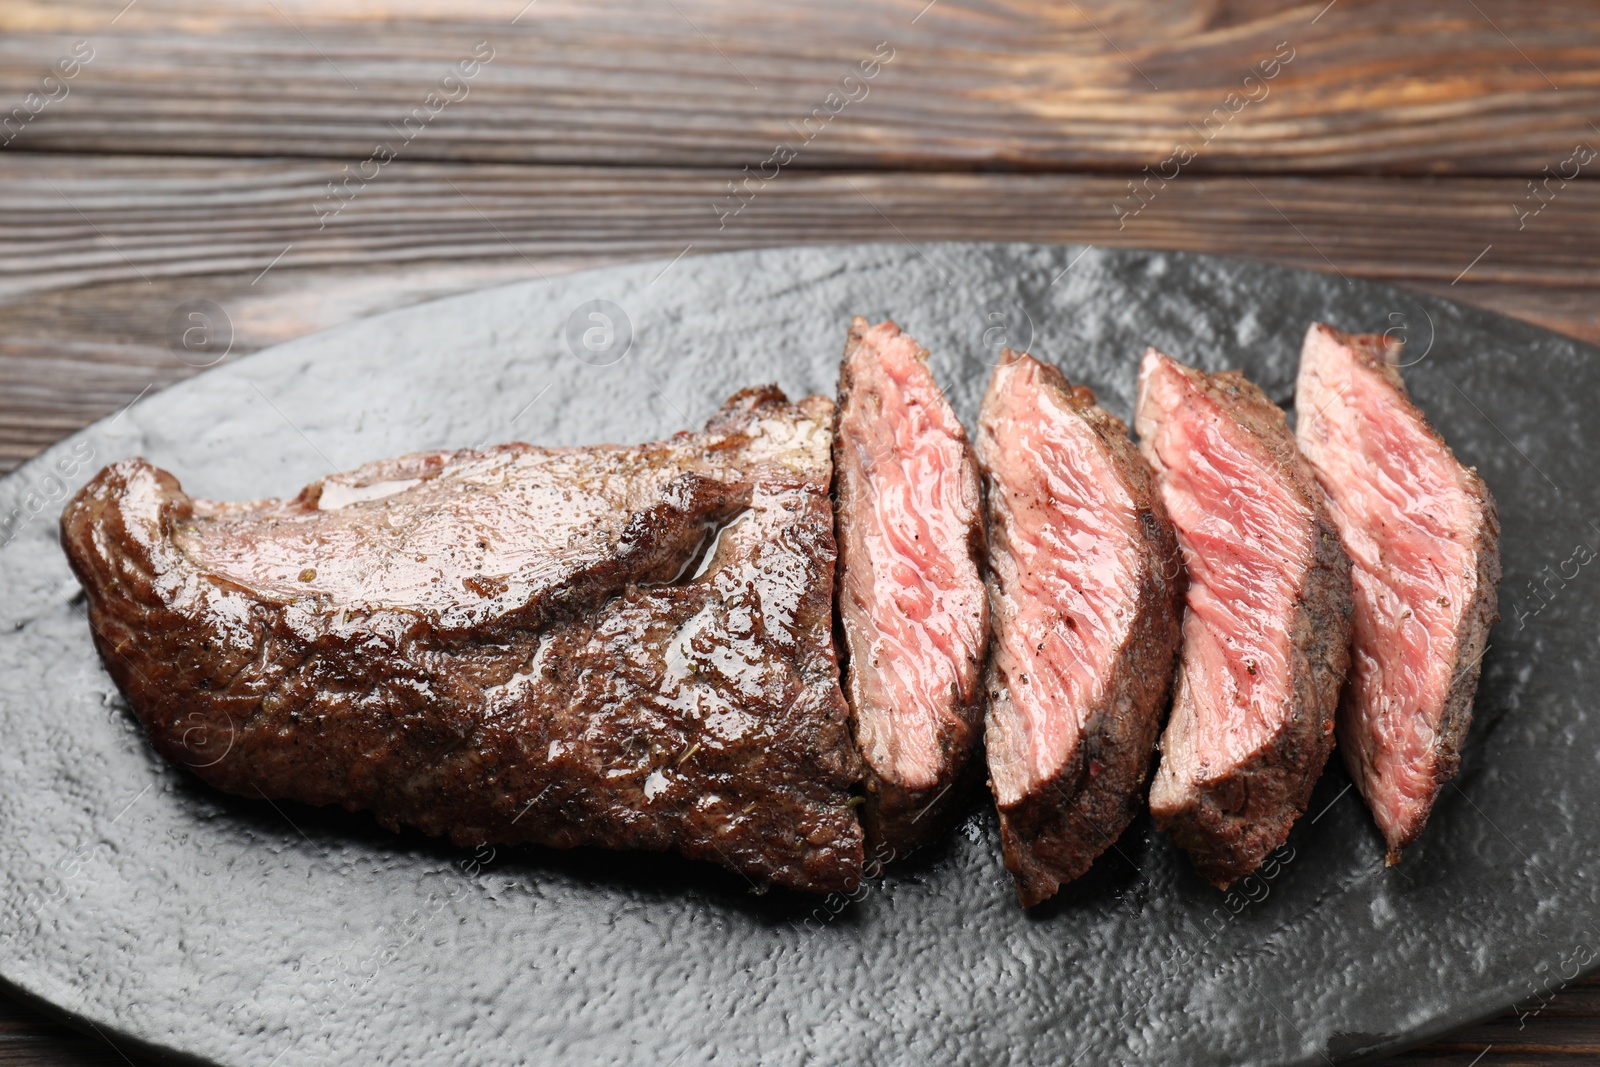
pixel 1456 718
pixel 897 820
pixel 734 416
pixel 1231 824
pixel 1056 834
pixel 902 820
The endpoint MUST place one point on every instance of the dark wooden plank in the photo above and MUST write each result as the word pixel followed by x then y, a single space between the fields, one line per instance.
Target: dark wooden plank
pixel 31 1039
pixel 28 1039
pixel 1490 87
pixel 1564 1032
pixel 97 255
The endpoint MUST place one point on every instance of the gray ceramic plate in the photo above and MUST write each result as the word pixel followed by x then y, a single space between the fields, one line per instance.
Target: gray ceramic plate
pixel 176 920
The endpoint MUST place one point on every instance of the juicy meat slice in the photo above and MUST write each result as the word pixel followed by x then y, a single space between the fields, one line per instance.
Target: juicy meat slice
pixel 911 596
pixel 1423 537
pixel 507 645
pixel 1085 590
pixel 1266 632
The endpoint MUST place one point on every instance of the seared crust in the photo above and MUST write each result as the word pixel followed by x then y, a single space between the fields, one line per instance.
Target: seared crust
pixel 1059 829
pixel 1471 641
pixel 896 818
pixel 641 712
pixel 1230 823
pixel 1380 354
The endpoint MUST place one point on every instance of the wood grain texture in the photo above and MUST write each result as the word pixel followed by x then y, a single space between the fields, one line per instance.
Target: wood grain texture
pixel 1429 86
pixel 98 254
pixel 1566 1034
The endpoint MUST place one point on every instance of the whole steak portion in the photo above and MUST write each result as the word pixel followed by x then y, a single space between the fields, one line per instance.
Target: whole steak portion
pixel 1086 593
pixel 1424 538
pixel 517 644
pixel 911 596
pixel 1266 634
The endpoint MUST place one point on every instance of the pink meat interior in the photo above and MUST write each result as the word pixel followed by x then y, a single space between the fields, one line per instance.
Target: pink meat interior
pixel 1246 540
pixel 1064 551
pixel 1409 523
pixel 912 595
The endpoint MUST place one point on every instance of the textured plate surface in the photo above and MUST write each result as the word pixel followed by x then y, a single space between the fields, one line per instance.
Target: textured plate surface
pixel 182 921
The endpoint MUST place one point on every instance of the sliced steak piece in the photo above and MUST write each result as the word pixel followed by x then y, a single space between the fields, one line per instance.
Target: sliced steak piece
pixel 1424 538
pixel 1085 590
pixel 507 645
pixel 1266 635
pixel 911 596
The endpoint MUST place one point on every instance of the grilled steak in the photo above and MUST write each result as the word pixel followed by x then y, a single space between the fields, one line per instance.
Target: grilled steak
pixel 507 645
pixel 1085 590
pixel 911 596
pixel 1267 630
pixel 1423 537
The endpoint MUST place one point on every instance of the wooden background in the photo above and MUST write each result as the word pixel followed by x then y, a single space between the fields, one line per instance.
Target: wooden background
pixel 1444 145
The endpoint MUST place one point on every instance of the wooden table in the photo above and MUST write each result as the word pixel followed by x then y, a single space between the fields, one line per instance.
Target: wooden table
pixel 300 163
